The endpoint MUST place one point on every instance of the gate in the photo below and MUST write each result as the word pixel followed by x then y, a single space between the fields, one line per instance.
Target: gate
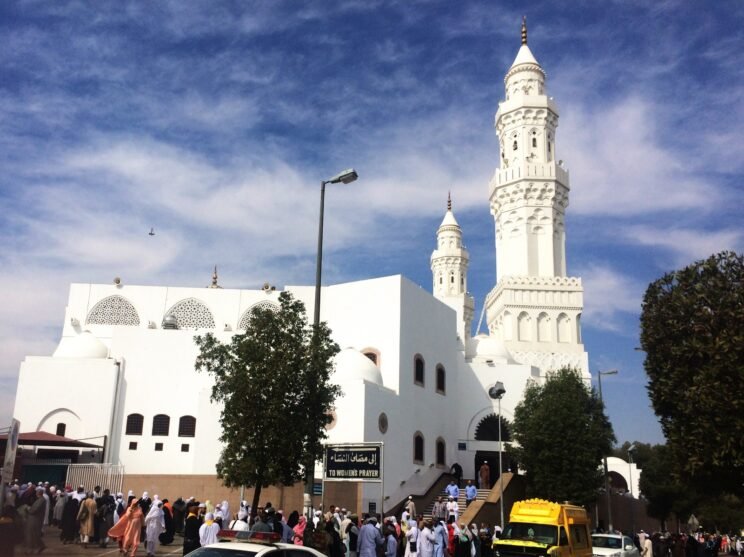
pixel 108 476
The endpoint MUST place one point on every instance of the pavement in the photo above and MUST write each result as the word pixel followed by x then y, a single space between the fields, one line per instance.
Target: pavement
pixel 54 547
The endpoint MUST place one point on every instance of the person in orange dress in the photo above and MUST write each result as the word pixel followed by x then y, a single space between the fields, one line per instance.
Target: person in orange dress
pixel 129 528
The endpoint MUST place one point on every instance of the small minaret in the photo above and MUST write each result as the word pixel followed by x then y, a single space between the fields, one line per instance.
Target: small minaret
pixel 449 269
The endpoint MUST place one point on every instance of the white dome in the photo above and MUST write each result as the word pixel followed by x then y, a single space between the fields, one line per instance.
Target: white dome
pixel 486 347
pixel 352 365
pixel 84 345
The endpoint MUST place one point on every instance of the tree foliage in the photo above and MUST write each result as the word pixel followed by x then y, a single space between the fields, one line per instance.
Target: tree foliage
pixel 273 384
pixel 664 492
pixel 692 333
pixel 562 434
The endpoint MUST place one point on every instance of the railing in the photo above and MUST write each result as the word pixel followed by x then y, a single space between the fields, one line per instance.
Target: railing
pixel 108 476
pixel 526 170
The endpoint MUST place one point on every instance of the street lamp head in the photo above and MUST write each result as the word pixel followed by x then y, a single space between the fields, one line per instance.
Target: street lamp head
pixel 345 177
pixel 608 372
pixel 497 390
pixel 632 448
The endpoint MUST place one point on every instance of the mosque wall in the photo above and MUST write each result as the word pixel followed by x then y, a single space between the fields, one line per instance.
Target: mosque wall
pixel 76 392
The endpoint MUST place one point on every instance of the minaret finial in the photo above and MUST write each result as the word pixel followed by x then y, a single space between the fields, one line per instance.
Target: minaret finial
pixel 449 201
pixel 214 279
pixel 524 29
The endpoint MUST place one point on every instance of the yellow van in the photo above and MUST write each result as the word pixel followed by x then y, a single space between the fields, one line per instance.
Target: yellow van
pixel 539 528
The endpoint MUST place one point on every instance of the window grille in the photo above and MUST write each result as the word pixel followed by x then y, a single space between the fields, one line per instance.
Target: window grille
pixel 135 423
pixel 160 424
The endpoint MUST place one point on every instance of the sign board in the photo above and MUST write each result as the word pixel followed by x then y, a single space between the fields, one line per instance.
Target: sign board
pixel 360 462
pixel 11 448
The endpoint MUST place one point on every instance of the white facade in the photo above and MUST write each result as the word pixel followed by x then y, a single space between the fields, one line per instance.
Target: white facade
pixel 406 354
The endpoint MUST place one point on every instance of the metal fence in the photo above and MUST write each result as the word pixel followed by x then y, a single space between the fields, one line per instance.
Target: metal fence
pixel 108 476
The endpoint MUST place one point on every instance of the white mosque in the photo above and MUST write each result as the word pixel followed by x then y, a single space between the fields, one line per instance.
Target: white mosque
pixel 412 375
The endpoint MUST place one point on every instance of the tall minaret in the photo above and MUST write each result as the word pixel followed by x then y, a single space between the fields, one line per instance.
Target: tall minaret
pixel 449 269
pixel 534 308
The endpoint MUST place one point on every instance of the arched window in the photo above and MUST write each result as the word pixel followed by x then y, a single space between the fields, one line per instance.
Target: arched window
pixel 135 423
pixel 418 370
pixel 441 452
pixel 113 310
pixel 564 328
pixel 524 325
pixel 534 142
pixel 61 428
pixel 514 146
pixel 191 314
pixel 187 426
pixel 373 354
pixel 543 327
pixel 418 447
pixel 160 424
pixel 488 429
pixel 441 379
pixel 578 328
pixel 247 314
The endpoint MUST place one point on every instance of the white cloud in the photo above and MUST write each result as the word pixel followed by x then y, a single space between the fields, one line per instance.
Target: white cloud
pixel 608 296
pixel 621 166
pixel 686 244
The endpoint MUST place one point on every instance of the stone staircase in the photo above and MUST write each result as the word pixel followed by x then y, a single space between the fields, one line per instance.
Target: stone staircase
pixel 480 496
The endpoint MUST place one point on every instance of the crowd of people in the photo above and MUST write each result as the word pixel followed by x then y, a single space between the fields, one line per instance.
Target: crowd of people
pixel 131 522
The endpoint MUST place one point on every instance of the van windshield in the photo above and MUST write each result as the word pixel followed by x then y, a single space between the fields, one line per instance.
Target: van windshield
pixel 525 531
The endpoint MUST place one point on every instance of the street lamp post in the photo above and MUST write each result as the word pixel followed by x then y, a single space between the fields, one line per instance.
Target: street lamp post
pixel 344 177
pixel 497 392
pixel 606 472
pixel 631 449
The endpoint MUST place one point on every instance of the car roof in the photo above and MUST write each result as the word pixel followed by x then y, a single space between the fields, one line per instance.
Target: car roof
pixel 258 548
pixel 608 535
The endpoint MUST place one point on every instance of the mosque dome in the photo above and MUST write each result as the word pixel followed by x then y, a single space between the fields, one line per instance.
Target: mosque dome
pixel 170 322
pixel 352 365
pixel 84 345
pixel 487 347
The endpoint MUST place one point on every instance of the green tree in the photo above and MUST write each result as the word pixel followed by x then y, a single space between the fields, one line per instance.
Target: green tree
pixel 693 335
pixel 664 492
pixel 273 384
pixel 641 452
pixel 562 434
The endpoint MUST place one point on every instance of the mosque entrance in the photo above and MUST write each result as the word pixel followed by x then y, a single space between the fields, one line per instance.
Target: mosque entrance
pixel 486 463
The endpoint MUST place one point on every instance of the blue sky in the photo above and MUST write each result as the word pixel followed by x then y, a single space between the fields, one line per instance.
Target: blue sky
pixel 214 122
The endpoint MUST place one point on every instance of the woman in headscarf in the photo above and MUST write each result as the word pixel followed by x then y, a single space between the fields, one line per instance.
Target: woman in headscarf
pixel 463 540
pixel 208 530
pixel 59 508
pixel 166 537
pixel 129 529
pixel 475 540
pixel 225 506
pixel 293 519
pixel 240 523
pixel 299 530
pixel 210 506
pixel 191 529
pixel 69 520
pixel 120 508
pixel 87 518
pixel 154 526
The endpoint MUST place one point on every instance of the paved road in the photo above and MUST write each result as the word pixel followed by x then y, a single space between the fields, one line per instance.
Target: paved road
pixel 55 548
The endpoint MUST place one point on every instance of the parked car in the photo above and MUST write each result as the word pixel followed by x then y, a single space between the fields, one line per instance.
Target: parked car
pixel 613 545
pixel 252 544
